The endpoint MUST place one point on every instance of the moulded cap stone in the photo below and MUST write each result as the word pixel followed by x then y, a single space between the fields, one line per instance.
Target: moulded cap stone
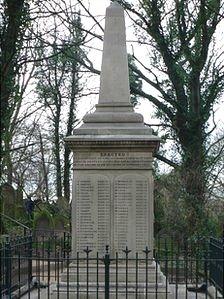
pixel 113 117
pixel 115 9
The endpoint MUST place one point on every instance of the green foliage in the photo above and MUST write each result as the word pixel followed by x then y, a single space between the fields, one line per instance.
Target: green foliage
pixel 171 212
pixel 14 23
pixel 55 213
pixel 185 68
pixel 169 205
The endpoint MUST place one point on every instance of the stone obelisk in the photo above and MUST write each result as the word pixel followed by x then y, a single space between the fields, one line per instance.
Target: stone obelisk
pixel 112 201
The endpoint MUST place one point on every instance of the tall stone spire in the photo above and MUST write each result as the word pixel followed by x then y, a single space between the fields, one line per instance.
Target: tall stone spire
pixel 114 114
pixel 114 80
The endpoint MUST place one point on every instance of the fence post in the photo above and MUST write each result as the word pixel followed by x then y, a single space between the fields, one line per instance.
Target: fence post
pixel 8 266
pixel 107 273
pixel 30 245
pixel 1 270
pixel 87 251
pixel 64 245
pixel 147 251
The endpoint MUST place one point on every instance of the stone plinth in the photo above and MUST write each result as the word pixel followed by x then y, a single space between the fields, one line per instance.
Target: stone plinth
pixel 113 200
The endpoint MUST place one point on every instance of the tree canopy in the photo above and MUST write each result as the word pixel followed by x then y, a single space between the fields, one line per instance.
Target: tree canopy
pixel 186 69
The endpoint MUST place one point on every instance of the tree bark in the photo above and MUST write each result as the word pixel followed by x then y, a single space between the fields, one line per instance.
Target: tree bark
pixel 194 182
pixel 45 174
pixel 13 12
pixel 57 155
pixel 70 125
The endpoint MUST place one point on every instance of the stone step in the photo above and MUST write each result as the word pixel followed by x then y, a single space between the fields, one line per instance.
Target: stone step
pixel 62 289
pixel 121 276
pixel 153 273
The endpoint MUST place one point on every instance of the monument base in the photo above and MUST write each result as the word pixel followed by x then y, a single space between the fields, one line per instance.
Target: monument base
pixel 135 282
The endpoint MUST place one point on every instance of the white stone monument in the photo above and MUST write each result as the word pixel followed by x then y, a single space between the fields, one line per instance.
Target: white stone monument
pixel 112 201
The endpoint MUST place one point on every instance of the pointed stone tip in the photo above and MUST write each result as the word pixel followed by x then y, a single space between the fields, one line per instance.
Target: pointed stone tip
pixel 114 4
pixel 114 9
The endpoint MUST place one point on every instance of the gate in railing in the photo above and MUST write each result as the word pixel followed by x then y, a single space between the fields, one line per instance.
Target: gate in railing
pixel 216 265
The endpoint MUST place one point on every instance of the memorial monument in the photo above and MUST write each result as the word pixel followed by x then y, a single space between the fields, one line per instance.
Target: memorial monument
pixel 113 151
pixel 112 201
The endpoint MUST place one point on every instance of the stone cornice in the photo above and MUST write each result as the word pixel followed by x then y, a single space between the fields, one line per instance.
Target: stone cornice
pixel 75 143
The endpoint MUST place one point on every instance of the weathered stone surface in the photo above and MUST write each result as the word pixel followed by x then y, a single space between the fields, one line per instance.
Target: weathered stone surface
pixel 114 63
pixel 113 151
pixel 114 208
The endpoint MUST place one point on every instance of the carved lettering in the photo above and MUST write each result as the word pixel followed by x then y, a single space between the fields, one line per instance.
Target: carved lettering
pixel 92 213
pixel 131 212
pixel 113 160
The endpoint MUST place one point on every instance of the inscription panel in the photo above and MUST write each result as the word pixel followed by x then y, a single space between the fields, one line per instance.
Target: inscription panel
pixel 113 210
pixel 131 210
pixel 92 197
pixel 123 205
pixel 85 222
pixel 142 221
pixel 113 160
pixel 103 219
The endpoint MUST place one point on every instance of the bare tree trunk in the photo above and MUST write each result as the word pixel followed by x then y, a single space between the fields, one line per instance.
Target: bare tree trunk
pixel 70 125
pixel 57 155
pixel 193 178
pixel 13 11
pixel 7 158
pixel 44 168
pixel 193 166
pixel 13 15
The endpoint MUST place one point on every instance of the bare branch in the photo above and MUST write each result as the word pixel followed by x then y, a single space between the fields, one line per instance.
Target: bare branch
pixel 165 160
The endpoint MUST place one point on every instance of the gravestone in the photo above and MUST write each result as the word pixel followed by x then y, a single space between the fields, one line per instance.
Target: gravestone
pixel 43 225
pixel 9 200
pixel 60 226
pixel 20 210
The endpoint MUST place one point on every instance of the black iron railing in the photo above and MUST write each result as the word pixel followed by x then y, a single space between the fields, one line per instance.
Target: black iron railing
pixel 47 265
pixel 26 230
pixel 15 262
pixel 18 254
pixel 216 266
